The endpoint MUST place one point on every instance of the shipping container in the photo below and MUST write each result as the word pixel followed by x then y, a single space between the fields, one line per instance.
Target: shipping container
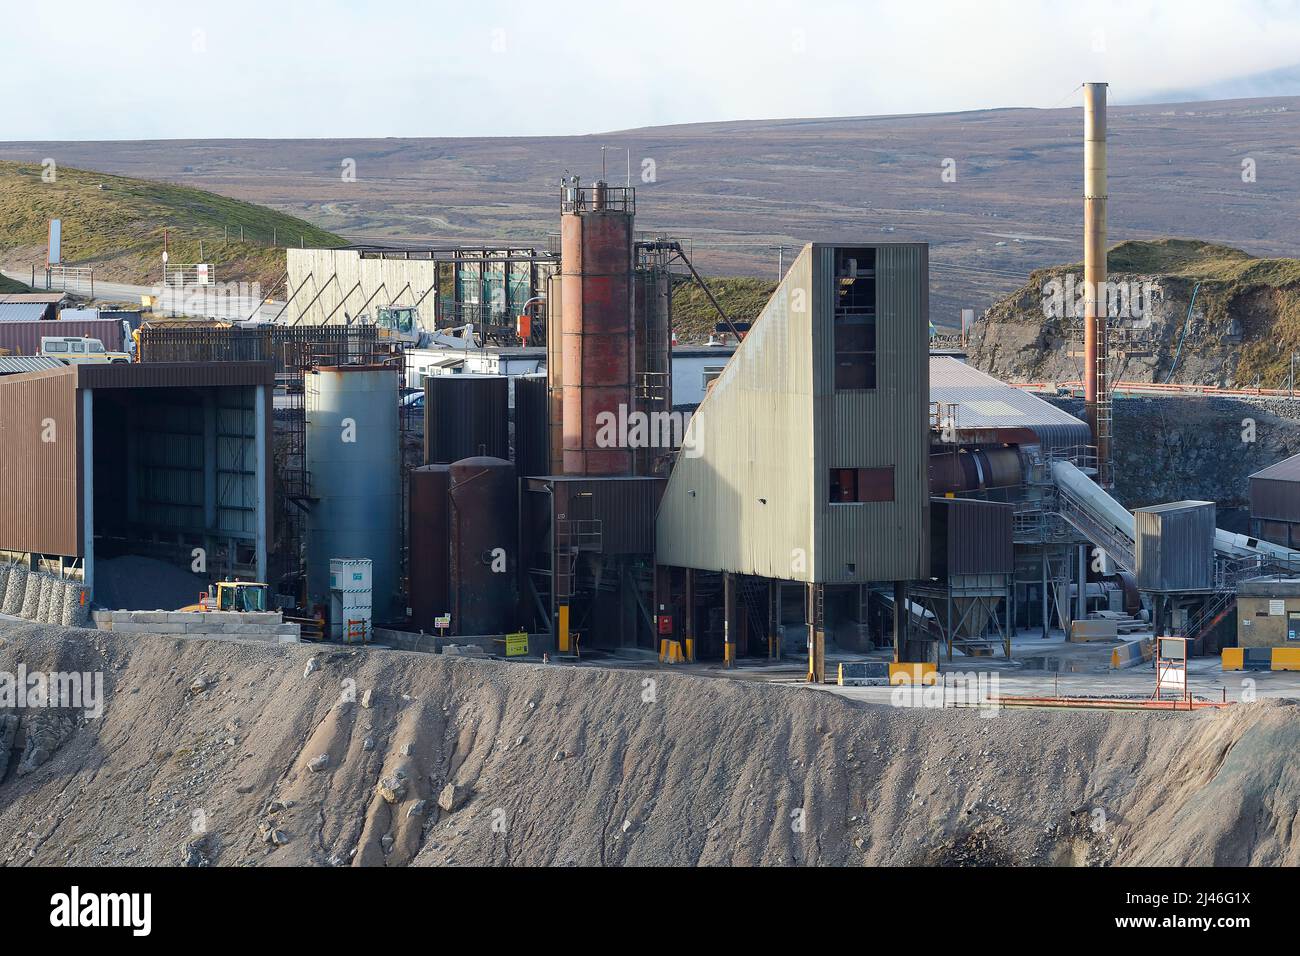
pixel 24 338
pixel 1175 546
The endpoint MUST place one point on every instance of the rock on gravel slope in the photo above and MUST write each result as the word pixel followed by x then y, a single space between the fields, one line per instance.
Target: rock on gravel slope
pixel 236 754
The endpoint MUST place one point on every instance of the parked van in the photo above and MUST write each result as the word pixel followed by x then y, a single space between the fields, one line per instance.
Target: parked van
pixel 74 350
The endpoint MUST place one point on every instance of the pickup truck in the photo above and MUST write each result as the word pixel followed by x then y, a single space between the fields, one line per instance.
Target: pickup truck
pixel 74 350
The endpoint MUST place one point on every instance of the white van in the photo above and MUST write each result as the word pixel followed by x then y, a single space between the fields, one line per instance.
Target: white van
pixel 75 350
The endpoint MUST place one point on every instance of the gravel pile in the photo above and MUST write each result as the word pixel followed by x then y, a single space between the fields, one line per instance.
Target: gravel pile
pixel 220 753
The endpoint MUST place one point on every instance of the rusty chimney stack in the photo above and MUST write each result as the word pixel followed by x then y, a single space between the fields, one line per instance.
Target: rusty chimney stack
pixel 1095 386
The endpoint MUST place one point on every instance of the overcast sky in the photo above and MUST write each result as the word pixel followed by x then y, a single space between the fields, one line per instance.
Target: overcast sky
pixel 90 69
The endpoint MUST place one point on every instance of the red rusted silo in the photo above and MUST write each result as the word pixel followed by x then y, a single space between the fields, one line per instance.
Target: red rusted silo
pixel 597 340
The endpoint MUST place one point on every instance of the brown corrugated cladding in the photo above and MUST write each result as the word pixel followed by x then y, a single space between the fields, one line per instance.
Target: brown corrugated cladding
pixel 176 375
pixel 1274 499
pixel 625 508
pixel 40 478
pixel 24 338
pixel 970 537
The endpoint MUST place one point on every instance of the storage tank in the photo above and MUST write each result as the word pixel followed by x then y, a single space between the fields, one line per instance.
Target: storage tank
pixel 484 546
pixel 597 341
pixel 466 416
pixel 356 495
pixel 429 555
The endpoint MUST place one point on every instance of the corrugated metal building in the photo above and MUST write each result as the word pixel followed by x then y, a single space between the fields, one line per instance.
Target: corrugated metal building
pixel 985 404
pixel 24 337
pixel 807 460
pixel 137 459
pixel 970 536
pixel 18 364
pixel 1275 503
pixel 1175 546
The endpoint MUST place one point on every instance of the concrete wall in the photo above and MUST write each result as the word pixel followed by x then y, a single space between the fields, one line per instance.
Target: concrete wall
pixel 212 624
pixel 1257 626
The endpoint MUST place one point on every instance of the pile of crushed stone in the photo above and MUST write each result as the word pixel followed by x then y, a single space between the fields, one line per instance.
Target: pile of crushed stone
pixel 133 583
pixel 221 753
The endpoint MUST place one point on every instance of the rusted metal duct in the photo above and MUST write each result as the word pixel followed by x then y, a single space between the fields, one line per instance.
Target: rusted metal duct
pixel 975 470
pixel 1096 398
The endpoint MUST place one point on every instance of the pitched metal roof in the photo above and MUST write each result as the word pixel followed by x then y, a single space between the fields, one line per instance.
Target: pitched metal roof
pixel 1286 470
pixel 984 402
pixel 22 311
pixel 17 364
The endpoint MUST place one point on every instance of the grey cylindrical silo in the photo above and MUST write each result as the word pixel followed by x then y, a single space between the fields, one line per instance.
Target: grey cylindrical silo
pixel 352 458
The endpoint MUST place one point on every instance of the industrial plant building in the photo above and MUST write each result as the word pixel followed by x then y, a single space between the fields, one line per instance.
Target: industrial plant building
pixel 504 440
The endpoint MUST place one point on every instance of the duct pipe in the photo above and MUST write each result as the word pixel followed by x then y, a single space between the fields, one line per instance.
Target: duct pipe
pixel 1094 273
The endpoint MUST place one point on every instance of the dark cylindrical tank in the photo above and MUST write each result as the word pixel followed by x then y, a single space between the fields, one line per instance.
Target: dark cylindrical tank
pixel 597 337
pixel 652 316
pixel 484 546
pixel 466 416
pixel 429 555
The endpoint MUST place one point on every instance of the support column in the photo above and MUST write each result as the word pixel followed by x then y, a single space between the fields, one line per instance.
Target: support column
pixel 1081 595
pixel 88 489
pixel 900 623
pixel 728 619
pixel 774 620
pixel 816 636
pixel 262 444
pixel 1046 620
pixel 688 616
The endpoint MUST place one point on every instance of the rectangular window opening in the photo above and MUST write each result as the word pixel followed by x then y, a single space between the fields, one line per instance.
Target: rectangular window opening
pixel 855 319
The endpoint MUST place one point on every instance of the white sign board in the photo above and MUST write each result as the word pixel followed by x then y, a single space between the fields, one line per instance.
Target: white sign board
pixel 54 254
pixel 201 271
pixel 1276 608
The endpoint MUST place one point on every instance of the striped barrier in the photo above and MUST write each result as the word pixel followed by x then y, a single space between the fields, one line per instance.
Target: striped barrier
pixel 1132 653
pixel 1261 658
pixel 670 652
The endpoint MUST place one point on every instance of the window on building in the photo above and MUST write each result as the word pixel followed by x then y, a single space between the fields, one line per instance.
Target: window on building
pixel 855 319
pixel 711 373
pixel 861 485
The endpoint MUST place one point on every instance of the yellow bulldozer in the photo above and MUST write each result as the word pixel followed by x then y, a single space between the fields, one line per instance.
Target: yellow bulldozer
pixel 246 596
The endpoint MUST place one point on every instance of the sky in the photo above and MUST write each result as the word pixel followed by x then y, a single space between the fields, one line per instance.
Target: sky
pixel 89 70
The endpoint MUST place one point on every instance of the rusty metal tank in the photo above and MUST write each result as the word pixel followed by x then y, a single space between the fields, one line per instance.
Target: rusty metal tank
pixel 429 554
pixel 597 339
pixel 484 525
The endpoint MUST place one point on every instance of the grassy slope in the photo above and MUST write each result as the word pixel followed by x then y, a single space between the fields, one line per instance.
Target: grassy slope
pixel 8 285
pixel 1229 280
pixel 741 297
pixel 119 228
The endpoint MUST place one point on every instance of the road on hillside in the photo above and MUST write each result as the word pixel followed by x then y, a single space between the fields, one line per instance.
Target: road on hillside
pixel 212 305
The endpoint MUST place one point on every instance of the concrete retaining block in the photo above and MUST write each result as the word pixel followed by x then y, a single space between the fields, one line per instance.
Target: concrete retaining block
pixel 15 591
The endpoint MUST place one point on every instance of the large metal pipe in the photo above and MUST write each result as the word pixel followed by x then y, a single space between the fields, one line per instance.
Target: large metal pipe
pixel 1094 272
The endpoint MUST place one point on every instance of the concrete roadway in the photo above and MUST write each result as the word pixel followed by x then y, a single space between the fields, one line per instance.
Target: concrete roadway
pixel 236 308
